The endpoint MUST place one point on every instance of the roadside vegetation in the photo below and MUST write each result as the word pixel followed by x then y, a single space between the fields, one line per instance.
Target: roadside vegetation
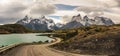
pixel 94 40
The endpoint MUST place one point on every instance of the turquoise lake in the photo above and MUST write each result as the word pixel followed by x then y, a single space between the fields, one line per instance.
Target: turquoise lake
pixel 8 39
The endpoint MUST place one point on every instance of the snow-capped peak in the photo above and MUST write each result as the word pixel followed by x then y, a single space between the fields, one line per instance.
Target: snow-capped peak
pixel 77 18
pixel 41 23
pixel 86 21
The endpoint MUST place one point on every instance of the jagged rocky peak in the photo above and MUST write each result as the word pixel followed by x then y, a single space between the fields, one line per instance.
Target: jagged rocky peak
pixel 103 21
pixel 41 23
pixel 85 18
pixel 50 20
pixel 26 18
pixel 77 18
pixel 42 17
pixel 78 21
pixel 79 15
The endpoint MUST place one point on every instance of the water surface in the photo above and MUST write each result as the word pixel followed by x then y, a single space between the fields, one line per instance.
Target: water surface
pixel 8 39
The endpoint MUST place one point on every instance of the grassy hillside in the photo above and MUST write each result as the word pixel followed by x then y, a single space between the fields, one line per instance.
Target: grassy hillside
pixel 91 40
pixel 14 28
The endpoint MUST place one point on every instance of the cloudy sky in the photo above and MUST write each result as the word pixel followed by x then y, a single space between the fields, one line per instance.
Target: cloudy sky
pixel 58 10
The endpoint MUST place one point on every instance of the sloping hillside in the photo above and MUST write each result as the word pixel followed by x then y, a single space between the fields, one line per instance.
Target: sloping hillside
pixel 13 28
pixel 104 40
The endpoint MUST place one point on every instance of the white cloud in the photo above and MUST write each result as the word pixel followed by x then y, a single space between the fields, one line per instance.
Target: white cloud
pixel 109 3
pixel 63 13
pixel 66 19
pixel 114 10
pixel 12 10
pixel 56 20
pixel 43 9
pixel 95 3
pixel 89 9
pixel 19 8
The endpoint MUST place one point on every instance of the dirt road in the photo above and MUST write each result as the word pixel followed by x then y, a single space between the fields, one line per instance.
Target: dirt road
pixel 38 50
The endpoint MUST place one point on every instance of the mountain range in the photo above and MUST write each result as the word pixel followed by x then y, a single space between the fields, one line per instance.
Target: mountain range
pixel 78 21
pixel 41 23
pixel 45 24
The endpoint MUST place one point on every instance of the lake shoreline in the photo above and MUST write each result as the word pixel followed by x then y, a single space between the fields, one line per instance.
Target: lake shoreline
pixel 32 43
pixel 5 49
pixel 9 39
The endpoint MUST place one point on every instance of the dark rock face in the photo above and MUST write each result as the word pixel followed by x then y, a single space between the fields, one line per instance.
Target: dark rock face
pixel 73 24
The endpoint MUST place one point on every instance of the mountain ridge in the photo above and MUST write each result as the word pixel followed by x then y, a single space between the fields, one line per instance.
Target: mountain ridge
pixel 14 28
pixel 41 23
pixel 86 21
pixel 46 24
